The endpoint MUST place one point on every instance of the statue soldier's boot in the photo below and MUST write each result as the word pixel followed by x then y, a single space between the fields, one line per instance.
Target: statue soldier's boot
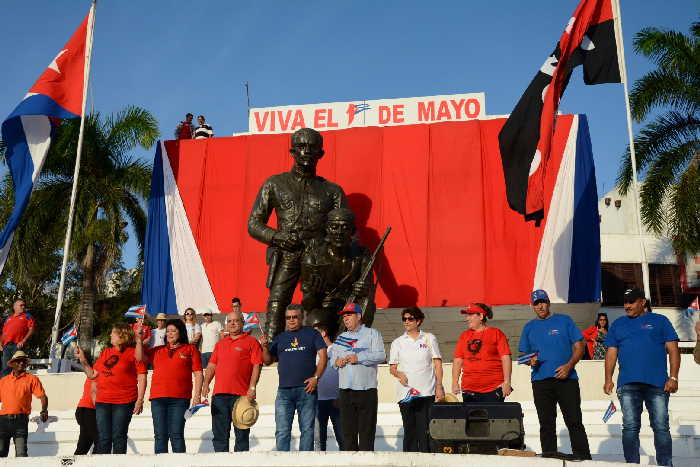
pixel 275 319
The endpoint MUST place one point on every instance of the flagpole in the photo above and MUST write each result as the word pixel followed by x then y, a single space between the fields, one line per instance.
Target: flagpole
pixel 635 185
pixel 76 172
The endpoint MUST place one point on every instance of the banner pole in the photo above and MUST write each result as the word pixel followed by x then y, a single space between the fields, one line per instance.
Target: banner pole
pixel 635 184
pixel 76 172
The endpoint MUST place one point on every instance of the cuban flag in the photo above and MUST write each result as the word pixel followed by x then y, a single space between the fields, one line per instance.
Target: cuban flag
pixel 694 307
pixel 69 336
pixel 194 409
pixel 251 321
pixel 27 131
pixel 525 359
pixel 348 344
pixel 136 311
pixel 609 412
pixel 410 395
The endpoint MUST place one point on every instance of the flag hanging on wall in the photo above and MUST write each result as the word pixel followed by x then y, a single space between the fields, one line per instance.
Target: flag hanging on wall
pixel 526 138
pixel 57 94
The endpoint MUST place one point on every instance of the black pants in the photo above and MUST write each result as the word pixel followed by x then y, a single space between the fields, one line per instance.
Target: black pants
pixel 493 396
pixel 14 427
pixel 550 392
pixel 326 410
pixel 416 417
pixel 88 430
pixel 358 416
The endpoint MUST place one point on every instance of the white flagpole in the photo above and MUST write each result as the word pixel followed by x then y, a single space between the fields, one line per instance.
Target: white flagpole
pixel 76 172
pixel 635 185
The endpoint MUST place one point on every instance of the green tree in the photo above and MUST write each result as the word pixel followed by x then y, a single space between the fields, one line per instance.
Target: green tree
pixel 111 188
pixel 668 147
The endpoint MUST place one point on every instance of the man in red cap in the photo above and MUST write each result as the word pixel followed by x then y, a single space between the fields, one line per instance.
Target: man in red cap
pixel 355 355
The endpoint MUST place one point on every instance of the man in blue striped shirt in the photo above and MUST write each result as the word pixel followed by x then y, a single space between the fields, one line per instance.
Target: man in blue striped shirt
pixel 356 355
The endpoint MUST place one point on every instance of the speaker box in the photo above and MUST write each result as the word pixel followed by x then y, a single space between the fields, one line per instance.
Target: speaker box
pixel 483 428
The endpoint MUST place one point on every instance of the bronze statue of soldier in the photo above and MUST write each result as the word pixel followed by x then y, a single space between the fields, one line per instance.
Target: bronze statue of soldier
pixel 301 200
pixel 332 270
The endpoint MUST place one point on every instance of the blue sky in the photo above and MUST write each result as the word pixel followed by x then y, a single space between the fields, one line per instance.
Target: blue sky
pixel 173 57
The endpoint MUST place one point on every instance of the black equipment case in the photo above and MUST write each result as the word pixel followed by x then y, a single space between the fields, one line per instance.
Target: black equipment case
pixel 484 428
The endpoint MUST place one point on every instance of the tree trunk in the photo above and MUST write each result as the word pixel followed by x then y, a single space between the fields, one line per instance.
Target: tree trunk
pixel 86 308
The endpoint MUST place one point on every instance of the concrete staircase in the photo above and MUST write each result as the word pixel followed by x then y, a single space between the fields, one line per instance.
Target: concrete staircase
pixel 60 437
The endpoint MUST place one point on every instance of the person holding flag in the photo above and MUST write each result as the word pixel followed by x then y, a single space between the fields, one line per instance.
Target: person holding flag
pixel 416 363
pixel 641 342
pixel 121 385
pixel 356 354
pixel 174 365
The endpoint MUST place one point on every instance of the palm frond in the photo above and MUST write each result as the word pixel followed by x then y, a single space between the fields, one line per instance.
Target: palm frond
pixel 684 222
pixel 662 174
pixel 669 50
pixel 130 128
pixel 665 88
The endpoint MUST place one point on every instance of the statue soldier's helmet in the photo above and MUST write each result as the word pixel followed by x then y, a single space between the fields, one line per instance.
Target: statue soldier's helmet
pixel 341 214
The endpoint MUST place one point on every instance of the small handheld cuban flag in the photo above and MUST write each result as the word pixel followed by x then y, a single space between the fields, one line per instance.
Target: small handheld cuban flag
pixel 694 307
pixel 348 344
pixel 194 409
pixel 250 321
pixel 412 394
pixel 136 311
pixel 69 336
pixel 524 359
pixel 609 412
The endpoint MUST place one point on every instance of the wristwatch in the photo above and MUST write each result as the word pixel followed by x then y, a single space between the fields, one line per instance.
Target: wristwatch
pixel 673 378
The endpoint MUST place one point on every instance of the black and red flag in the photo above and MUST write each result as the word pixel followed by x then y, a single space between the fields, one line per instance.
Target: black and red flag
pixel 526 138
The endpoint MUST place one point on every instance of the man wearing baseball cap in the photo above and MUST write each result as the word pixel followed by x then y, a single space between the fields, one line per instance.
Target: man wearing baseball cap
pixel 557 345
pixel 640 341
pixel 355 355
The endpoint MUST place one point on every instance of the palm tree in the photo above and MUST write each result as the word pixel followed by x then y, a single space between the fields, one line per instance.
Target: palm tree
pixel 111 188
pixel 668 148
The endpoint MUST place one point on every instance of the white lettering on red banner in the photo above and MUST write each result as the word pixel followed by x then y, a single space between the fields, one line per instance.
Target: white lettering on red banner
pixel 382 112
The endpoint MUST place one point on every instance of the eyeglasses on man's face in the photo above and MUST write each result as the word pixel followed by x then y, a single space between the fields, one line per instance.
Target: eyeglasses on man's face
pixel 288 317
pixel 189 314
pixel 408 318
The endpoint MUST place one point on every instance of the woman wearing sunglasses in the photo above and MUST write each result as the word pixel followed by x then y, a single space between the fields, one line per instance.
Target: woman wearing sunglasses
pixel 482 359
pixel 416 363
pixel 194 330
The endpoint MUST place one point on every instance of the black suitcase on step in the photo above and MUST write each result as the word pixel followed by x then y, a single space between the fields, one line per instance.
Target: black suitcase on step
pixel 483 428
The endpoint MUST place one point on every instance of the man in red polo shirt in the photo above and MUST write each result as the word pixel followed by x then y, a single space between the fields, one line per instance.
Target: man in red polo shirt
pixel 235 362
pixel 16 390
pixel 16 331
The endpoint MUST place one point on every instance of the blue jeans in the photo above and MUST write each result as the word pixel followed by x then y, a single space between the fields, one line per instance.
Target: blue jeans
pixel 112 427
pixel 205 359
pixel 287 402
pixel 169 423
pixel 221 407
pixel 655 399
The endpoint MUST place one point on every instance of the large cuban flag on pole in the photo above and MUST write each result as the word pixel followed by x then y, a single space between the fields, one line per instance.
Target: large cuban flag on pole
pixel 57 94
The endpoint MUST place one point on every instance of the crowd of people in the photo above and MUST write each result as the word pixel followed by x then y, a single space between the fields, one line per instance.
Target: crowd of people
pixel 326 378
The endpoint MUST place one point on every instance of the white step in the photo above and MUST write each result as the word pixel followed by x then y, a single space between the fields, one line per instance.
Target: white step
pixel 605 439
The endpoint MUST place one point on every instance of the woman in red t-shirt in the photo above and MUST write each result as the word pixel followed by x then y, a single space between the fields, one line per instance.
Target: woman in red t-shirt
pixel 121 384
pixel 85 416
pixel 482 359
pixel 171 386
